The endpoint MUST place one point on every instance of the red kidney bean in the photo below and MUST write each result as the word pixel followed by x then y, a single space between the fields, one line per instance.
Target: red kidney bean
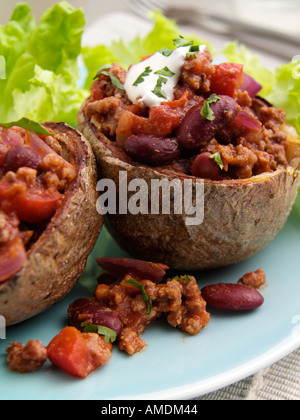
pixel 119 267
pixel 90 311
pixel 205 167
pixel 196 131
pixel 152 150
pixel 19 157
pixel 232 297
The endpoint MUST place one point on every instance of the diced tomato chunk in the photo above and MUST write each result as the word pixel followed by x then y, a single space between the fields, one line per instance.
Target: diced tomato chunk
pixel 226 80
pixel 78 354
pixel 32 205
pixel 69 352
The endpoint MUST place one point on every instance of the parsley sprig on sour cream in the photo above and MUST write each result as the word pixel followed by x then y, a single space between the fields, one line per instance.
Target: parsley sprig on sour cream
pixel 152 81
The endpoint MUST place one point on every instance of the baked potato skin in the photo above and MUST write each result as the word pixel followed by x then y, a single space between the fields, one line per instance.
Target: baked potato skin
pixel 58 258
pixel 241 217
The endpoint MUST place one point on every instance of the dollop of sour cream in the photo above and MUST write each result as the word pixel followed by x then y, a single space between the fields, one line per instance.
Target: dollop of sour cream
pixel 153 80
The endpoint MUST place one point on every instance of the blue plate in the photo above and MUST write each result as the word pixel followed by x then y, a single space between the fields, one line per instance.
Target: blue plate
pixel 175 365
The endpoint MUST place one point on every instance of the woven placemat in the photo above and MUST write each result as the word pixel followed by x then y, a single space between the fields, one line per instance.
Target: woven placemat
pixel 281 381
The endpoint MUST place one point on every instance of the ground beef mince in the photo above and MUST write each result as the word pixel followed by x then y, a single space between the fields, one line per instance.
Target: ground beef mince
pixel 179 300
pixel 28 358
pixel 251 142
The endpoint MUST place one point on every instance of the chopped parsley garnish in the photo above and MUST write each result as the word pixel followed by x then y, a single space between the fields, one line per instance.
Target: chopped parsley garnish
pixel 104 67
pixel 185 278
pixel 108 333
pixel 142 76
pixel 165 72
pixel 115 81
pixel 158 88
pixel 206 112
pixel 193 50
pixel 191 55
pixel 181 42
pixel 166 52
pixel 218 159
pixel 28 124
pixel 146 298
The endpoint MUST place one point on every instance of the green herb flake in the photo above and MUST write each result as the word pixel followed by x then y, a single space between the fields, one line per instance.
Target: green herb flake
pixel 213 98
pixel 165 72
pixel 191 55
pixel 142 76
pixel 185 278
pixel 218 159
pixel 195 48
pixel 100 70
pixel 28 124
pixel 192 51
pixel 108 333
pixel 166 52
pixel 206 112
pixel 114 80
pixel 146 298
pixel 181 42
pixel 158 88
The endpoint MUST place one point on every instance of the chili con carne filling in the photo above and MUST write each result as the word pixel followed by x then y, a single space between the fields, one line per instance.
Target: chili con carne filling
pixel 33 180
pixel 214 128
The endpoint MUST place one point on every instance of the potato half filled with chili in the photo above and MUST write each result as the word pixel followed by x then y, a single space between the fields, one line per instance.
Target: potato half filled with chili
pixel 48 218
pixel 177 115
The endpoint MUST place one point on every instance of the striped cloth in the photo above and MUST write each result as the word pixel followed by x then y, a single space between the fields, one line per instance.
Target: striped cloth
pixel 280 381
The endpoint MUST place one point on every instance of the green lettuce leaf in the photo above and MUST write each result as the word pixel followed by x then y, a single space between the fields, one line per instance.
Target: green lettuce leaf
pixel 41 65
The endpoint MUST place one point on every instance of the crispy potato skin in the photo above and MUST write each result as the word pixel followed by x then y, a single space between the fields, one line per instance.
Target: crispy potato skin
pixel 241 217
pixel 56 261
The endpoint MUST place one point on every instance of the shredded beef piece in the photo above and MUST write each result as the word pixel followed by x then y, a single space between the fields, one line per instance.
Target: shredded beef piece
pixel 106 113
pixel 58 173
pixel 181 301
pixel 255 279
pixel 196 72
pixel 241 158
pixel 99 351
pixel 191 316
pixel 28 358
pixel 244 99
pixel 130 342
pixel 272 117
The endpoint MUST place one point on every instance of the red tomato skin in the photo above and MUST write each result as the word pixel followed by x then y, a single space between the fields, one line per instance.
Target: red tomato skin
pixel 33 208
pixel 69 352
pixel 227 79
pixel 31 205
